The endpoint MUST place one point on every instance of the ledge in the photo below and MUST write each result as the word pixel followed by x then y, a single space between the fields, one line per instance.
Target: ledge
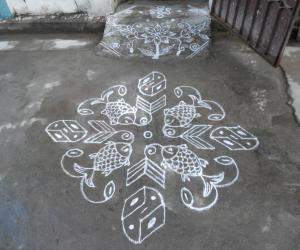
pixel 79 22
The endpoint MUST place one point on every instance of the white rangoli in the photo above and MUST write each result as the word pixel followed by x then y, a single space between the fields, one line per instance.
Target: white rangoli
pixel 160 11
pixel 154 37
pixel 144 211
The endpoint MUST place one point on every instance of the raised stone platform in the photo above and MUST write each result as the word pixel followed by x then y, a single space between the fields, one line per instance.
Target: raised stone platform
pixel 155 30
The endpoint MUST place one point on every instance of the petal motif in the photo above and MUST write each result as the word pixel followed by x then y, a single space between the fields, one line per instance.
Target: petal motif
pixel 171 34
pixel 149 39
pixel 165 39
pixel 157 28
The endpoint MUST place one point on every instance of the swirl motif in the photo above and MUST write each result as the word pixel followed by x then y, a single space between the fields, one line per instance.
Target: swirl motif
pixel 190 124
pixel 195 46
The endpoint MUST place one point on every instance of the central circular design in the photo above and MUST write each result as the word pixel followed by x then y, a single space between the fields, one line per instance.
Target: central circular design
pixel 148 134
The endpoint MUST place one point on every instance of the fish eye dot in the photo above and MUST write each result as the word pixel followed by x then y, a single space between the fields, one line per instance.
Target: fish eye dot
pixel 131 227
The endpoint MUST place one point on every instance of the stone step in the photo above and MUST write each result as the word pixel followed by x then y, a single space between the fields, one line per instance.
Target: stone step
pixel 155 30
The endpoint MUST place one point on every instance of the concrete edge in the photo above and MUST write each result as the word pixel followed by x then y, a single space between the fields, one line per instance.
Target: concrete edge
pixel 289 94
pixel 56 23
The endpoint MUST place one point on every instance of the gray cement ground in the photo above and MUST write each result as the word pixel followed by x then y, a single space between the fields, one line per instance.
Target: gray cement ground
pixel 42 208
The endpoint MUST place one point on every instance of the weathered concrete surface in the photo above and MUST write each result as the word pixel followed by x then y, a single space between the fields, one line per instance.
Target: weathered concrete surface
pixel 55 23
pixel 290 64
pixel 19 42
pixel 42 208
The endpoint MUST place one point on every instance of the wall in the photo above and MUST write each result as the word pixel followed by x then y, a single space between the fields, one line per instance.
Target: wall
pixel 4 10
pixel 41 7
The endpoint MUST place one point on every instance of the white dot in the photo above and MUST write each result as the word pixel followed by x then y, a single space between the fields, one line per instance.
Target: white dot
pixel 58 136
pixel 134 201
pixel 228 142
pixel 151 223
pixel 148 134
pixel 241 133
pixel 74 126
pixel 153 197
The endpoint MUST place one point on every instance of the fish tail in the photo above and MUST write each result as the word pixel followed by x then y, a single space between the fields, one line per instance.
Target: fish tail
pixel 87 173
pixel 203 104
pixel 203 163
pixel 195 99
pixel 79 169
pixel 87 107
pixel 199 103
pixel 113 90
pixel 105 95
pixel 89 180
pixel 210 182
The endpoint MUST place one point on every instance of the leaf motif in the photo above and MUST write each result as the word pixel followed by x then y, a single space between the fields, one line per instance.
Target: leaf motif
pixel 171 34
pixel 146 52
pixel 166 50
pixel 109 190
pixel 187 197
pixel 215 117
pixel 224 160
pixel 165 40
pixel 203 36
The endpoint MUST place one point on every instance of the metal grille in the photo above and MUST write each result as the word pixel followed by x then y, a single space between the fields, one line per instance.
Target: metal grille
pixel 264 24
pixel 297 27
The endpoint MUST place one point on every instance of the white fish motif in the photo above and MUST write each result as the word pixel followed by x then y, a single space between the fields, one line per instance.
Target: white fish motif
pixel 180 115
pixel 111 157
pixel 120 112
pixel 183 161
pixel 186 163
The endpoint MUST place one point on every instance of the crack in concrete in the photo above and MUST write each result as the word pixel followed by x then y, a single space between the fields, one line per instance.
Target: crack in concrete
pixel 290 99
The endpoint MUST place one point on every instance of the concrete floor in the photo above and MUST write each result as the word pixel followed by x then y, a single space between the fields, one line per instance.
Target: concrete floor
pixel 44 80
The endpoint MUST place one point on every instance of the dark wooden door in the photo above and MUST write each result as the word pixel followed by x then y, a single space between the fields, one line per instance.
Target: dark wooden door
pixel 264 24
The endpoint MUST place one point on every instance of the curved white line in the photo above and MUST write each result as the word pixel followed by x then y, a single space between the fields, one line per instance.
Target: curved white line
pixel 106 198
pixel 235 178
pixel 67 154
pixel 201 209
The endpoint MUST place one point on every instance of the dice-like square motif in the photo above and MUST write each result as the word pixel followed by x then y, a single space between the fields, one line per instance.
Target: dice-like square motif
pixel 143 214
pixel 234 138
pixel 66 131
pixel 152 84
